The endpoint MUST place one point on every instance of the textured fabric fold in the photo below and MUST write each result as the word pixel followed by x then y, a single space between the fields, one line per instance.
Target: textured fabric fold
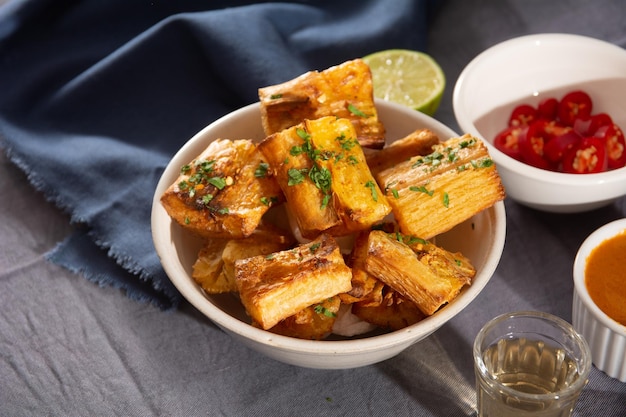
pixel 97 96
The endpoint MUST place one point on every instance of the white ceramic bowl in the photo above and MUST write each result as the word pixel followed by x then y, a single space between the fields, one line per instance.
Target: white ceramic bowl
pixel 606 337
pixel 481 239
pixel 526 70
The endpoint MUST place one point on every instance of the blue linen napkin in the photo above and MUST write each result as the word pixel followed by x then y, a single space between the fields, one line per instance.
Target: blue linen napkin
pixel 95 98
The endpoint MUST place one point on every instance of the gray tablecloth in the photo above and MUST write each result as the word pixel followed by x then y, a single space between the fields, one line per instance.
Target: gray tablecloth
pixel 71 348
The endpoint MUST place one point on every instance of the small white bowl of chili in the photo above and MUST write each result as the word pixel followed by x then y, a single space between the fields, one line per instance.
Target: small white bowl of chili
pixel 526 71
pixel 599 306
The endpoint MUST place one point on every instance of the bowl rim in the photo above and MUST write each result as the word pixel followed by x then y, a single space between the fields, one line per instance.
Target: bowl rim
pixel 598 236
pixel 228 323
pixel 607 177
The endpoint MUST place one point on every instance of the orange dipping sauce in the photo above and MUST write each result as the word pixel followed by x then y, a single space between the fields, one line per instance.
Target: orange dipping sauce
pixel 605 277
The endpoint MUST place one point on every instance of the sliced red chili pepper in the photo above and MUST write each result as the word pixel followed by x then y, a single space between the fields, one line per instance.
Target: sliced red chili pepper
pixel 573 105
pixel 615 145
pixel 558 145
pixel 522 115
pixel 599 120
pixel 588 157
pixel 587 126
pixel 531 145
pixel 547 108
pixel 507 141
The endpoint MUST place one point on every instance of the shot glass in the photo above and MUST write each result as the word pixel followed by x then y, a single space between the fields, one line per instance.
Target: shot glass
pixel 529 364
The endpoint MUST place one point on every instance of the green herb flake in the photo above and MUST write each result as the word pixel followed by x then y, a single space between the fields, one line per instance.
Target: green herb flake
pixel 354 110
pixel 223 210
pixel 207 198
pixel 314 247
pixel 411 240
pixel 320 309
pixel 268 201
pixel 422 189
pixel 296 150
pixel 484 163
pixel 276 96
pixel 446 200
pixel 217 182
pixel 372 186
pixel 395 194
pixel 185 169
pixel 325 201
pixel 187 221
pixel 261 170
pixel 295 176
pixel 303 133
pixel 321 177
pixel 205 166
pixel 467 143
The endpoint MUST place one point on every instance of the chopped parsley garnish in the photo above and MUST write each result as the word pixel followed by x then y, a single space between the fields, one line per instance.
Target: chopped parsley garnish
pixel 372 187
pixel 467 143
pixel 483 163
pixel 319 175
pixel 268 201
pixel 408 240
pixel 422 189
pixel 320 309
pixel 275 96
pixel 303 134
pixel 321 178
pixel 354 110
pixel 261 170
pixel 207 198
pixel 446 200
pixel 433 159
pixel 314 247
pixel 217 182
pixel 295 176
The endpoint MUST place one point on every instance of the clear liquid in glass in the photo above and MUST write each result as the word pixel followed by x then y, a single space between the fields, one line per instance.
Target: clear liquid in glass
pixel 527 367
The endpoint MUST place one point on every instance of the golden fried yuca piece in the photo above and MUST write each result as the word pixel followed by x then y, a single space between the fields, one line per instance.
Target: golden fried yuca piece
pixel 393 312
pixel 343 91
pixel 277 286
pixel 214 269
pixel 265 240
pixel 313 323
pixel 291 167
pixel 322 171
pixel 429 282
pixel 419 142
pixel 452 265
pixel 433 193
pixel 356 197
pixel 208 270
pixel 224 192
pixel 365 287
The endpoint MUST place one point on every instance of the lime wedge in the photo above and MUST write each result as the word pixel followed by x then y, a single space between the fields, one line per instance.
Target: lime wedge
pixel 411 78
